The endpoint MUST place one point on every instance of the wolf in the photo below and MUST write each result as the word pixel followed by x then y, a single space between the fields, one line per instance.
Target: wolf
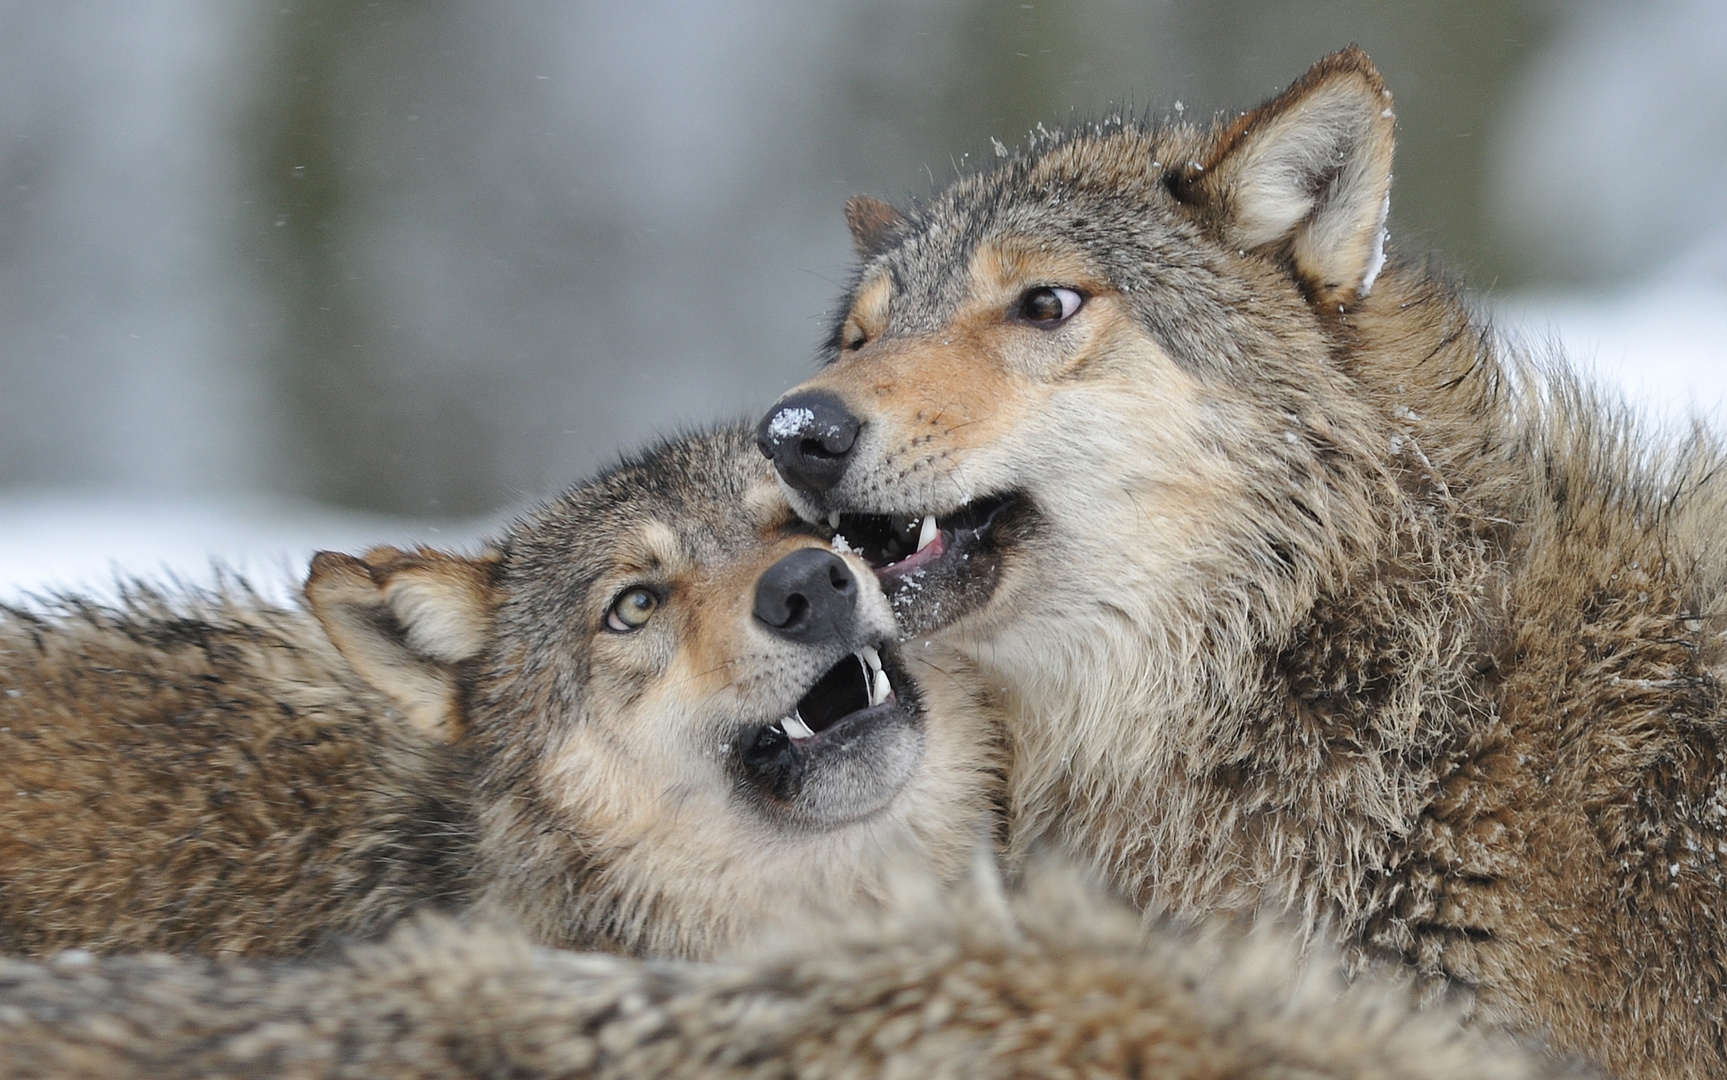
pixel 1301 590
pixel 655 715
pixel 1048 981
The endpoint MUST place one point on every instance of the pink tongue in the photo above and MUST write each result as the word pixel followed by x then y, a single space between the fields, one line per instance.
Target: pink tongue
pixel 918 558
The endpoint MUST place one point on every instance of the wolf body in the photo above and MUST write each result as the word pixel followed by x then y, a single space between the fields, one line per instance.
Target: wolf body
pixel 207 771
pixel 580 730
pixel 1309 595
pixel 1053 983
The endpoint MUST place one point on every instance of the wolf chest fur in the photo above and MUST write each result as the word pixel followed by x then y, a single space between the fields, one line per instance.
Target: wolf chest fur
pixel 1308 593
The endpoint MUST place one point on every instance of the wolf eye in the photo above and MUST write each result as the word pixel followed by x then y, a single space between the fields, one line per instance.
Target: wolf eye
pixel 1049 305
pixel 632 610
pixel 853 338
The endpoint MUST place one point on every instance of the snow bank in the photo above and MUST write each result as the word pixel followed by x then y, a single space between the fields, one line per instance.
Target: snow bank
pixel 1665 344
pixel 63 541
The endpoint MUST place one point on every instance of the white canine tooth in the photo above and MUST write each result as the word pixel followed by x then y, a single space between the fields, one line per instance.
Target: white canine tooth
pixel 871 659
pixel 880 689
pixel 795 727
pixel 833 519
pixel 926 534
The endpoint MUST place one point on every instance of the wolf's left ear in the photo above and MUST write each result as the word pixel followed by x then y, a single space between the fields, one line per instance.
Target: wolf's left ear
pixel 871 222
pixel 1310 169
pixel 404 621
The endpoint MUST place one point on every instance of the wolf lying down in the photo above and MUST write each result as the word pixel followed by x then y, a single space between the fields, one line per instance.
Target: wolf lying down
pixel 655 716
pixel 636 722
pixel 653 686
pixel 1305 595
pixel 1054 985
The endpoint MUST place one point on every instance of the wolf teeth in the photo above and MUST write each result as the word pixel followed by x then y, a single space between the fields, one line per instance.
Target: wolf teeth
pixel 927 534
pixel 874 677
pixel 795 728
pixel 833 519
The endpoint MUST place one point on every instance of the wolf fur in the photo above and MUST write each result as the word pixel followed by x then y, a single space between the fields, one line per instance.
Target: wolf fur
pixel 204 770
pixel 209 773
pixel 1051 983
pixel 1321 600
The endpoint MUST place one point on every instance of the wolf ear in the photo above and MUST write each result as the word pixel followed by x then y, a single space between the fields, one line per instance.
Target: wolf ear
pixel 1310 169
pixel 871 222
pixel 404 621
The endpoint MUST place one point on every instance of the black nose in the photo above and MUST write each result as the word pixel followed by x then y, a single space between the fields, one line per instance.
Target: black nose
pixel 808 596
pixel 809 436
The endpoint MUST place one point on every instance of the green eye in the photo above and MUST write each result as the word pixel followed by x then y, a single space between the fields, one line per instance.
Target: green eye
pixel 632 610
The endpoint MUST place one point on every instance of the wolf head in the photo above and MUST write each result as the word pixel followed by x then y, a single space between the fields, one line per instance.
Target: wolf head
pixel 686 712
pixel 1097 413
pixel 1094 383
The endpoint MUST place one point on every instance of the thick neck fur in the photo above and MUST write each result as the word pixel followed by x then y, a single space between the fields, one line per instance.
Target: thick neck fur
pixel 692 879
pixel 1296 723
pixel 1476 725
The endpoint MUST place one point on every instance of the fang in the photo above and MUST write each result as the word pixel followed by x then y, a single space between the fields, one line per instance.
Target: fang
pixel 926 534
pixel 880 688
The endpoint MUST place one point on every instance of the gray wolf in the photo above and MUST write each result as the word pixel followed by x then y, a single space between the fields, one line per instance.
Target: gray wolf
pixel 655 715
pixel 1301 590
pixel 1049 982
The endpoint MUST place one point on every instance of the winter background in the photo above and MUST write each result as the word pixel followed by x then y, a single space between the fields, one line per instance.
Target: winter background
pixel 321 273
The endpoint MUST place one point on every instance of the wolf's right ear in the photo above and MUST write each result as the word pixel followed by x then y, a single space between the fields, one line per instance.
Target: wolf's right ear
pixel 1310 169
pixel 871 222
pixel 403 621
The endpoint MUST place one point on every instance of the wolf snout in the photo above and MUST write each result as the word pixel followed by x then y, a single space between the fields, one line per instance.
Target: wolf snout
pixel 809 437
pixel 808 596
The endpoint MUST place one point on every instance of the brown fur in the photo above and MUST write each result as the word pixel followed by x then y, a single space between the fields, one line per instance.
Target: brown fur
pixel 1055 985
pixel 1325 603
pixel 209 773
pixel 205 771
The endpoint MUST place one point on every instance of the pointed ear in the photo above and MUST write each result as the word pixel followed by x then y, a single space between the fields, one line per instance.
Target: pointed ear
pixel 871 222
pixel 404 621
pixel 1310 169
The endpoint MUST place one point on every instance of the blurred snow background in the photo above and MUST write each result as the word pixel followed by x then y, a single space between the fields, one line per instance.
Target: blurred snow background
pixel 322 274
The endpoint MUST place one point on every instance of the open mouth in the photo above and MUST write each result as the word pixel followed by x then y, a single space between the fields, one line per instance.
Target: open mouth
pixel 841 709
pixel 850 688
pixel 933 568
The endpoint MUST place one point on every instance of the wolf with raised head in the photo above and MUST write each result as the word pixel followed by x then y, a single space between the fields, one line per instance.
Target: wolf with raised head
pixel 654 716
pixel 1300 590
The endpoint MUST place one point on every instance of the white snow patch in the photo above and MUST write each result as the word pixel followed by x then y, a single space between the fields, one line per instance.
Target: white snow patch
pixel 59 541
pixel 789 422
pixel 1376 260
pixel 1665 343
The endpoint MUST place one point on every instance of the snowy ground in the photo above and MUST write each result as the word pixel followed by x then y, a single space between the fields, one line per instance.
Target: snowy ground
pixel 1664 344
pixel 58 540
pixel 1667 346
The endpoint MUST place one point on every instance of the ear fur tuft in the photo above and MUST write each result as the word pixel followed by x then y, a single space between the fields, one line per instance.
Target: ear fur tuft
pixel 403 621
pixel 872 222
pixel 1309 170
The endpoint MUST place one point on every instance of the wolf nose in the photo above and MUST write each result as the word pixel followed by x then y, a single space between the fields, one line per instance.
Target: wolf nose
pixel 807 596
pixel 809 437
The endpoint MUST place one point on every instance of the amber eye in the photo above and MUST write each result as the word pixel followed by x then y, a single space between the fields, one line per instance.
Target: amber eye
pixel 1048 305
pixel 632 610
